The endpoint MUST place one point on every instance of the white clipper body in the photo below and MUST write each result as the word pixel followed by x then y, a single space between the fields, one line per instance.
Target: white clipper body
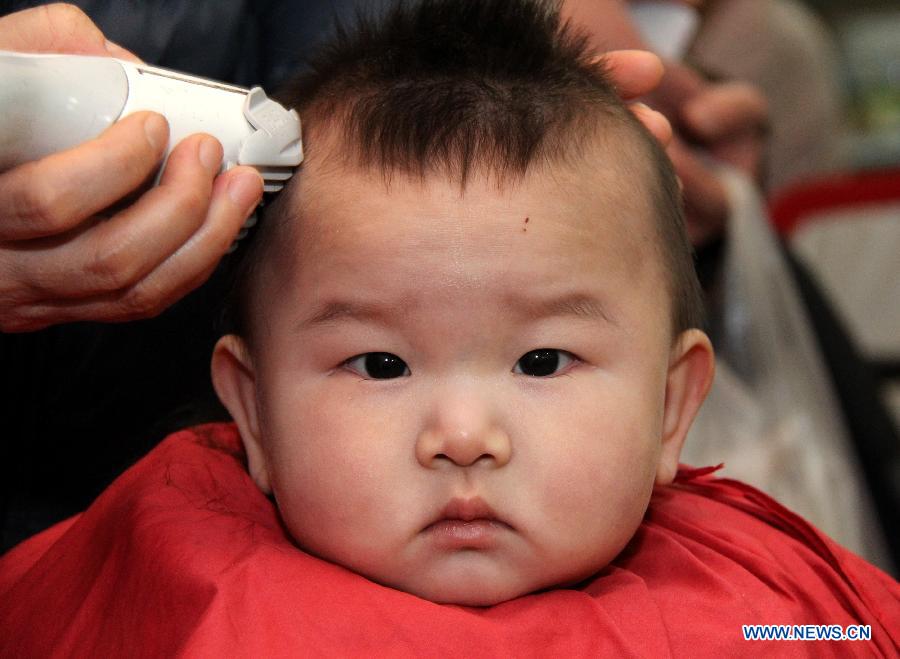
pixel 49 103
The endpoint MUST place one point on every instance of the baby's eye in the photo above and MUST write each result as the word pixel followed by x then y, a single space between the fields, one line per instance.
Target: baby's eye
pixel 378 366
pixel 543 362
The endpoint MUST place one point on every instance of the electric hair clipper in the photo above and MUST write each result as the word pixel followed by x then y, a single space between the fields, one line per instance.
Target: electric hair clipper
pixel 51 102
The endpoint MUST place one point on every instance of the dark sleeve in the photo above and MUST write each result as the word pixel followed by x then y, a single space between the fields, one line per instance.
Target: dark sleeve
pixel 243 42
pixel 82 402
pixel 239 41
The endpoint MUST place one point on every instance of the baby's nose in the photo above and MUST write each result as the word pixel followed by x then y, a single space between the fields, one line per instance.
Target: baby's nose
pixel 491 447
pixel 463 437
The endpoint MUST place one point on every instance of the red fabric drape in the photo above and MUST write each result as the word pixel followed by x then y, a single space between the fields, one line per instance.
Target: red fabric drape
pixel 183 555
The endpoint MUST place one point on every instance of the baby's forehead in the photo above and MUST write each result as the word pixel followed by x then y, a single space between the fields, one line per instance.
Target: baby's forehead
pixel 336 209
pixel 549 225
pixel 596 203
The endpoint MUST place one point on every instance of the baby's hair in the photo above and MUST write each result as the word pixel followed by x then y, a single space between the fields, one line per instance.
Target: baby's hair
pixel 455 88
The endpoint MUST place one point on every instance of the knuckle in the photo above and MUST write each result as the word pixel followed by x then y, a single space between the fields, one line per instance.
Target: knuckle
pixel 141 302
pixel 43 207
pixel 67 10
pixel 64 18
pixel 191 203
pixel 111 267
pixel 69 17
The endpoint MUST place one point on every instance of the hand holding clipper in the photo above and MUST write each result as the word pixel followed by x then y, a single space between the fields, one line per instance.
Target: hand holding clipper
pixel 64 255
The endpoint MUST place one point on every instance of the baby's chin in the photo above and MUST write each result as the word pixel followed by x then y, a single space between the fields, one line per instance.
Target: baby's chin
pixel 475 590
pixel 483 594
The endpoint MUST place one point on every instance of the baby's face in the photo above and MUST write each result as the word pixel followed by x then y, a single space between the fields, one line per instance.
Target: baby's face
pixel 461 395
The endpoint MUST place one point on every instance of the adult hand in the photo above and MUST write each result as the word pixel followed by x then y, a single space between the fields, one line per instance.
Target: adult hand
pixel 64 254
pixel 725 120
pixel 729 120
pixel 636 73
pixel 722 121
pixel 714 122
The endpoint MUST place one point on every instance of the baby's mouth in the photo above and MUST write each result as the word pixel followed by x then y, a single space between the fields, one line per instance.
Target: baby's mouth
pixel 466 524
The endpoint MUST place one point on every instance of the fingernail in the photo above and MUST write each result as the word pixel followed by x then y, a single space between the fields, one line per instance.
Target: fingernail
pixel 210 153
pixel 245 190
pixel 157 131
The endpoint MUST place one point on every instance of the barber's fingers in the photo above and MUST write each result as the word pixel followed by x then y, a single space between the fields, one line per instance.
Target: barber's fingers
pixel 653 121
pixel 51 28
pixel 235 194
pixel 745 152
pixel 55 194
pixel 56 28
pixel 705 197
pixel 730 121
pixel 724 110
pixel 633 72
pixel 116 253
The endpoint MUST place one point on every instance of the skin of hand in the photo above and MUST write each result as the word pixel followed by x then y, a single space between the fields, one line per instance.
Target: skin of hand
pixel 636 73
pixel 724 121
pixel 70 248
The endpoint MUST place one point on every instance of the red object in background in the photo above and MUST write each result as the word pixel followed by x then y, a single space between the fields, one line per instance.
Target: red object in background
pixel 183 555
pixel 798 203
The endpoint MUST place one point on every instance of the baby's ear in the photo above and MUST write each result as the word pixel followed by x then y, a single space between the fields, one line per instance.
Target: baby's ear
pixel 691 369
pixel 234 379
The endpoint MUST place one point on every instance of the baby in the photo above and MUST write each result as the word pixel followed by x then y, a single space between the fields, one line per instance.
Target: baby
pixel 465 339
pixel 464 354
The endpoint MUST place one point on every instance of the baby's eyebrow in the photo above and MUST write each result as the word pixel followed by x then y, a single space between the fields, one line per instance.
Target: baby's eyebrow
pixel 337 310
pixel 580 305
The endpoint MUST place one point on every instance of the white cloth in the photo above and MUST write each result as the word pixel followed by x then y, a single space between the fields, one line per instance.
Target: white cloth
pixel 772 416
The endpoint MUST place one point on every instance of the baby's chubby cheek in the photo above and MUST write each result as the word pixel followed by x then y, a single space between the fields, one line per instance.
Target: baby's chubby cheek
pixel 350 490
pixel 588 505
pixel 334 468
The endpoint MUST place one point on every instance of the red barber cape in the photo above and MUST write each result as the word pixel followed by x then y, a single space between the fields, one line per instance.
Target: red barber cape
pixel 183 555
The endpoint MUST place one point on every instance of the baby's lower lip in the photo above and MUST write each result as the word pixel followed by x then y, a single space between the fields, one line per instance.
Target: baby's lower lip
pixel 466 534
